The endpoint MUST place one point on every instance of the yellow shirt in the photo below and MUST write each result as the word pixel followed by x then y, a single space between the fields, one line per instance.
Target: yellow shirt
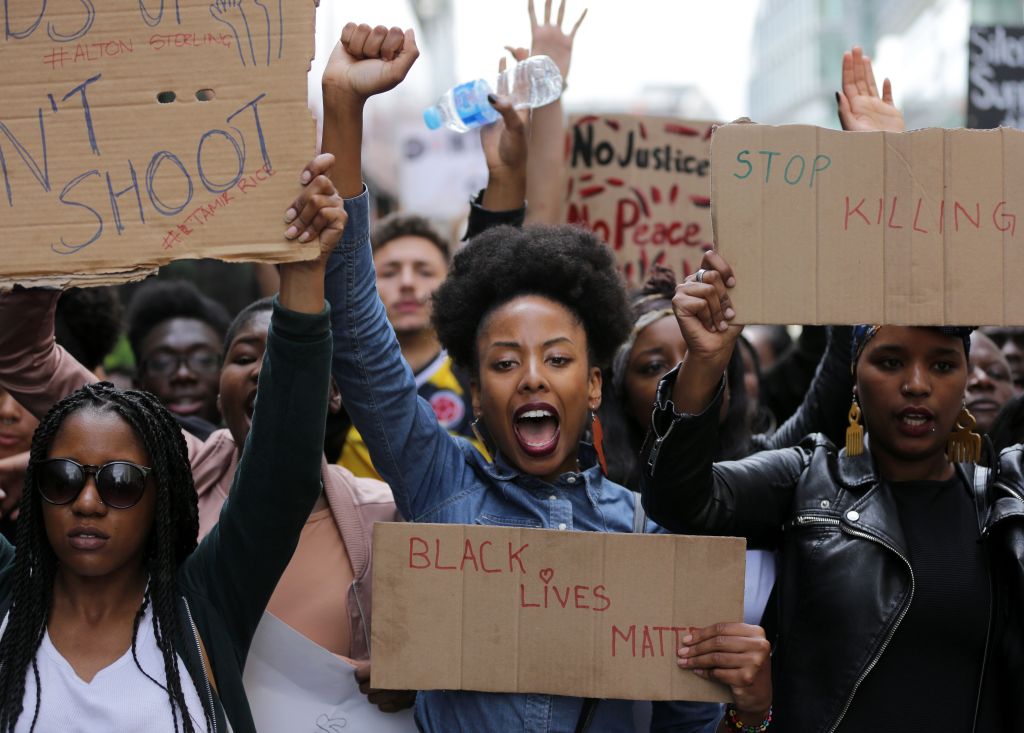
pixel 447 391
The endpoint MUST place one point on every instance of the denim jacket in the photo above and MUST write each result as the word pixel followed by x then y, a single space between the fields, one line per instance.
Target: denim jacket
pixel 440 478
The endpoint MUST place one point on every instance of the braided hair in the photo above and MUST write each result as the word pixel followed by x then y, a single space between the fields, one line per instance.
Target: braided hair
pixel 171 540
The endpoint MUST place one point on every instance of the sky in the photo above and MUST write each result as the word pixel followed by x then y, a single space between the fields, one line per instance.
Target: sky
pixel 620 48
pixel 623 46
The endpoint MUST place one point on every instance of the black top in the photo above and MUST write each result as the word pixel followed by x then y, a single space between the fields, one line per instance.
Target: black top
pixel 928 677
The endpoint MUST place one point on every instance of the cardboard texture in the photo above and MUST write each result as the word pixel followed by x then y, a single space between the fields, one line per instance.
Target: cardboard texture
pixel 913 228
pixel 140 131
pixel 643 185
pixel 498 609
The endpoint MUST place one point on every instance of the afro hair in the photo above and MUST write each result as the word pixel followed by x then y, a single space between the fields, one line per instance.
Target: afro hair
pixel 567 264
pixel 88 324
pixel 157 301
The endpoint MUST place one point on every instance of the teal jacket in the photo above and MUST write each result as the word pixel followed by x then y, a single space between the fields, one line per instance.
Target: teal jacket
pixel 227 582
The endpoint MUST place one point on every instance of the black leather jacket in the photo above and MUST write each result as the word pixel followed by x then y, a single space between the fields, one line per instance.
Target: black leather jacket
pixel 844 580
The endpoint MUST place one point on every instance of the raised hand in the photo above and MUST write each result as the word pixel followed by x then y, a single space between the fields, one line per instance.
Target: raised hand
pixel 317 214
pixel 319 211
pixel 368 61
pixel 703 310
pixel 550 40
pixel 861 108
pixel 505 142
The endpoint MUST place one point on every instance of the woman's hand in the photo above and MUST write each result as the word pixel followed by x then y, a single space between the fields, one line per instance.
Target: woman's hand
pixel 860 106
pixel 368 61
pixel 703 310
pixel 737 655
pixel 389 701
pixel 505 149
pixel 317 214
pixel 550 40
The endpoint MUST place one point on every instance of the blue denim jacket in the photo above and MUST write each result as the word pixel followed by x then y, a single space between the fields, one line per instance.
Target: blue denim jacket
pixel 440 478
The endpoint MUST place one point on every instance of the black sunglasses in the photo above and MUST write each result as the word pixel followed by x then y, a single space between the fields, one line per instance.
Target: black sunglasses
pixel 120 484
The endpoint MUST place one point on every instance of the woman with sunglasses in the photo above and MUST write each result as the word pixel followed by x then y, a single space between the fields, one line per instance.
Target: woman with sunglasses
pixel 113 618
pixel 901 582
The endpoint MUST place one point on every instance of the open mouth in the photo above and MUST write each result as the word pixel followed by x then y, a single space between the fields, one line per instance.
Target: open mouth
pixel 916 421
pixel 185 405
pixel 536 428
pixel 250 405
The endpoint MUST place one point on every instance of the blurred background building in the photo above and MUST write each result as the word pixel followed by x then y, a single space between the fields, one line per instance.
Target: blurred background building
pixel 776 61
pixel 921 44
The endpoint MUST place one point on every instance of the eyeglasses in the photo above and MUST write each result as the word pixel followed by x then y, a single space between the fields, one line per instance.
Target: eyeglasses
pixel 165 364
pixel 120 484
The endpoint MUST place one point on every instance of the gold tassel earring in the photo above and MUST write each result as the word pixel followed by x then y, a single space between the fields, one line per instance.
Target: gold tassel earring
pixel 854 433
pixel 963 444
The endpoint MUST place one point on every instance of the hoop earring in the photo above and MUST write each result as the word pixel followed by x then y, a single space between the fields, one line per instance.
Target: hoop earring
pixel 854 433
pixel 478 433
pixel 964 445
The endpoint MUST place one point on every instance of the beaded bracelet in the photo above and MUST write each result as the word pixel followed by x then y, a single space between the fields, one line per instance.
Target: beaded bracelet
pixel 734 723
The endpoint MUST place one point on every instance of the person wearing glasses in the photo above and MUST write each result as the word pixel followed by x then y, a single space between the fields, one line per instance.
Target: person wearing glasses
pixel 177 334
pixel 113 617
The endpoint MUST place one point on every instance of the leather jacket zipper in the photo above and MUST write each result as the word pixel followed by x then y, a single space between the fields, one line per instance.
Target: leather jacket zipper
pixel 984 656
pixel 199 651
pixel 805 519
pixel 811 519
pixel 892 631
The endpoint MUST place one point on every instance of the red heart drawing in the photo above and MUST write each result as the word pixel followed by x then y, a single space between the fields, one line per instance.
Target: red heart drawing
pixel 547 574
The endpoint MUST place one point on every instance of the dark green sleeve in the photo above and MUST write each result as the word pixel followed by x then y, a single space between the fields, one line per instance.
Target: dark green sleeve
pixel 238 564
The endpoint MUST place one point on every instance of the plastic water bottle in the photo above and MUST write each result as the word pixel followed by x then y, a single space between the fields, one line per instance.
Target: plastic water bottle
pixel 533 82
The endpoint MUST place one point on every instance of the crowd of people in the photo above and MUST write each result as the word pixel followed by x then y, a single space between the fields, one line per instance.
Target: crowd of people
pixel 515 383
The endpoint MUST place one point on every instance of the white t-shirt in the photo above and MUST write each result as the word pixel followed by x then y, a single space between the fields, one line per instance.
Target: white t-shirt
pixel 119 698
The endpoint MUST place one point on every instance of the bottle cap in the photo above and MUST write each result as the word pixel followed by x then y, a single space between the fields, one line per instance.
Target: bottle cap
pixel 432 116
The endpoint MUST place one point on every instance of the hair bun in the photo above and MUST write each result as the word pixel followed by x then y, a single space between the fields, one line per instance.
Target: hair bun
pixel 662 281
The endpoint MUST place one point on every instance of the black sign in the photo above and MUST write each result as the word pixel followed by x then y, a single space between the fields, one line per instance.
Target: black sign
pixel 995 94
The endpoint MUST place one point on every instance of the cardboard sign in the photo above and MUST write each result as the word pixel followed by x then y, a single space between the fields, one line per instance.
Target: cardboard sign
pixel 590 614
pixel 135 132
pixel 913 228
pixel 643 185
pixel 996 74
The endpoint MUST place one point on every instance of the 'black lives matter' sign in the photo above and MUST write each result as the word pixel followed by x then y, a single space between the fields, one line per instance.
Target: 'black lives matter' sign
pixel 996 89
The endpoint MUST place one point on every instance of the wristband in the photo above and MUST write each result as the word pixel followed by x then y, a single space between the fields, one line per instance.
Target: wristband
pixel 733 722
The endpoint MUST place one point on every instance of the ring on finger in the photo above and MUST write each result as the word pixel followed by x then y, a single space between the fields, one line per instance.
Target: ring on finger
pixel 700 275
